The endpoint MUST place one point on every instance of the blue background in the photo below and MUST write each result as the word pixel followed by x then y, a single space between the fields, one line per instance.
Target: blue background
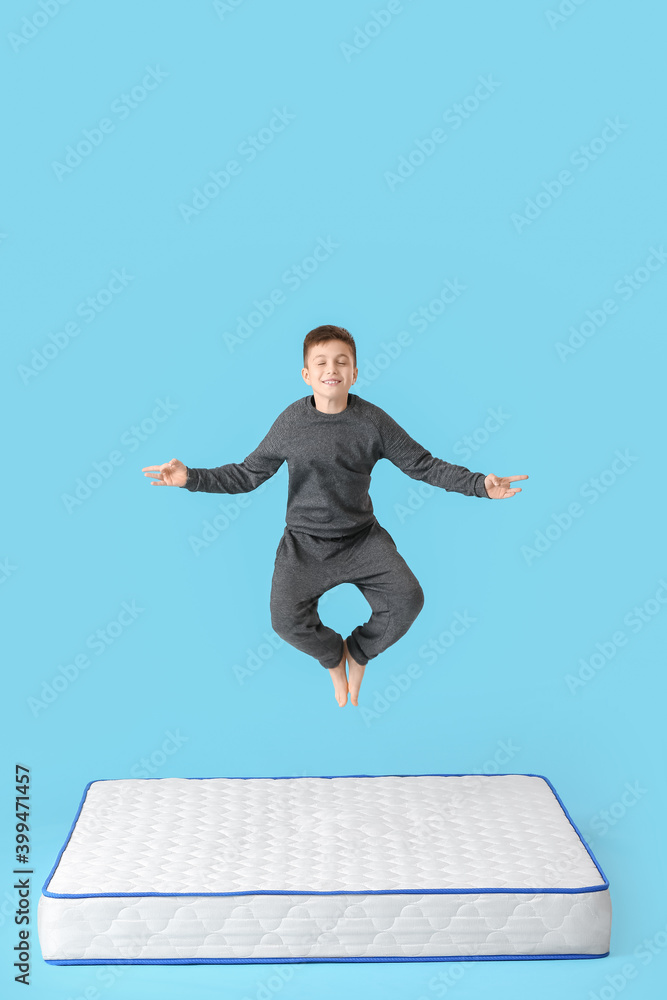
pixel 502 696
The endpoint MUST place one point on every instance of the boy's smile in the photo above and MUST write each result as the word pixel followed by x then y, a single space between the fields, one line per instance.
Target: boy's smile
pixel 330 373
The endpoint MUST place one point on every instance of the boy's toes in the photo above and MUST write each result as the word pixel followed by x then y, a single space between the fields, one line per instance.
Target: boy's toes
pixel 355 677
pixel 341 696
pixel 340 685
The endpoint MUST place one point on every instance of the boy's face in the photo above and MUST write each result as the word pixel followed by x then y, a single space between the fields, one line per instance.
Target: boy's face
pixel 330 370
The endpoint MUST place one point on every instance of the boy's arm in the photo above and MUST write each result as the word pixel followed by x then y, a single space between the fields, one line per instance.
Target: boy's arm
pixel 245 476
pixel 418 463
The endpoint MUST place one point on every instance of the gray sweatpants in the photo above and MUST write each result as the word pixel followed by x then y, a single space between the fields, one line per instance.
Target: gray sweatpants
pixel 306 566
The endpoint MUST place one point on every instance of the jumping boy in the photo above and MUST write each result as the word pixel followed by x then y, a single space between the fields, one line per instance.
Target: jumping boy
pixel 331 440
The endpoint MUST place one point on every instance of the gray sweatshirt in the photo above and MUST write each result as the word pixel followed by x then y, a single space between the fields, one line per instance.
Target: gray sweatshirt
pixel 330 457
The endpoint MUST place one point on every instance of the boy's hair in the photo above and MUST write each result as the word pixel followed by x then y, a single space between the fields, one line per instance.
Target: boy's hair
pixel 323 333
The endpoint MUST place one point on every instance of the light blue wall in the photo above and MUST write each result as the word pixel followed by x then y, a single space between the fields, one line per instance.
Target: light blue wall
pixel 560 671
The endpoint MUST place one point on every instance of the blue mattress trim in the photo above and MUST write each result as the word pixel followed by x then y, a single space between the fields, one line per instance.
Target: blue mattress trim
pixel 338 892
pixel 293 961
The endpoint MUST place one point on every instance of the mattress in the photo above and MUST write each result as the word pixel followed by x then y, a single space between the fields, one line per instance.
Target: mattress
pixel 349 868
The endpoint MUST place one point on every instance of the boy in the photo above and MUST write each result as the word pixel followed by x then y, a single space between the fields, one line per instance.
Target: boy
pixel 331 440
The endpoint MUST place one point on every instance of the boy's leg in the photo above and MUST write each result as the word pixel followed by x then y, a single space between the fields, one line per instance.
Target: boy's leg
pixel 355 675
pixel 392 590
pixel 299 579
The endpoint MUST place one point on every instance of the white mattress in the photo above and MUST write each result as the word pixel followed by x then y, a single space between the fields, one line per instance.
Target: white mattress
pixel 307 869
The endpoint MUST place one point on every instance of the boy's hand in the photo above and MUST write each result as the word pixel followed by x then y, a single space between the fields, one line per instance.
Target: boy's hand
pixel 172 473
pixel 498 487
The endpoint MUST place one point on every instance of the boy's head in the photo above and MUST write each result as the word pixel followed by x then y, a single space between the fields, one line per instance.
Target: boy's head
pixel 321 334
pixel 329 362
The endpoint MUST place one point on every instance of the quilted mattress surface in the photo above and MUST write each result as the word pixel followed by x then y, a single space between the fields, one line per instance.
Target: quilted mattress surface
pixel 344 868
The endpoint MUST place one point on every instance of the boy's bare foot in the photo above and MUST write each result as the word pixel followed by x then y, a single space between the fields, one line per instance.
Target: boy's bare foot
pixel 339 678
pixel 356 675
